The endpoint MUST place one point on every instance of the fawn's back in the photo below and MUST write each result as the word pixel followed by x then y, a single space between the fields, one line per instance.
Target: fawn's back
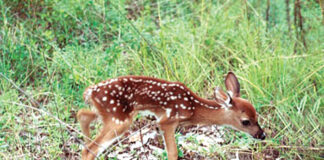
pixel 121 96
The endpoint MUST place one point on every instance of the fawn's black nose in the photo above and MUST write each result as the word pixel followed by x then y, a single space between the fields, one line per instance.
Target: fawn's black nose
pixel 260 135
pixel 263 136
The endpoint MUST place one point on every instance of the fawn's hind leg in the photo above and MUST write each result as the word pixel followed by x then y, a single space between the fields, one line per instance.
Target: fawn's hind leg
pixel 109 134
pixel 85 117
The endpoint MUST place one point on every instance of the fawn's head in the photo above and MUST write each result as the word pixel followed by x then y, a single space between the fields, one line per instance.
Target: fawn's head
pixel 240 113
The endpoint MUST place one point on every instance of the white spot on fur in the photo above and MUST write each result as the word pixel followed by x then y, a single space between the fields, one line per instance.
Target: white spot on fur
pixel 168 112
pixel 183 106
pixel 173 97
pixel 104 98
pixel 112 101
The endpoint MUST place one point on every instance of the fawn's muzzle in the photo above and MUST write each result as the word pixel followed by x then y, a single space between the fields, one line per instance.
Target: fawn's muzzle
pixel 260 134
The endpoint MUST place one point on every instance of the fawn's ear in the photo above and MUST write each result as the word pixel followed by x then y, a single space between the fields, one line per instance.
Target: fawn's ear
pixel 223 98
pixel 232 84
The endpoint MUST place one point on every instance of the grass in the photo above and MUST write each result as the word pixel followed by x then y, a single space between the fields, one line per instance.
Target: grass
pixel 54 49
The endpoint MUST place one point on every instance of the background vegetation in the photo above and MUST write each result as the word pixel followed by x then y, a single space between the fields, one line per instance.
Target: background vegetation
pixel 53 49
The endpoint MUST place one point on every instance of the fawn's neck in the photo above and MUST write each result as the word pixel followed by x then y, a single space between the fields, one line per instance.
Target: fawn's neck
pixel 214 114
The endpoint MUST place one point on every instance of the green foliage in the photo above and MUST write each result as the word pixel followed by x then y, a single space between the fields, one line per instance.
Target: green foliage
pixel 54 49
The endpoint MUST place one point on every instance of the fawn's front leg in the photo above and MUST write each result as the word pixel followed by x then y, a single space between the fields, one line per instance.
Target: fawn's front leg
pixel 168 129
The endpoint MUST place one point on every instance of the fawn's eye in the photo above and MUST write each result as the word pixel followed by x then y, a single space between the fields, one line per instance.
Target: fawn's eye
pixel 246 123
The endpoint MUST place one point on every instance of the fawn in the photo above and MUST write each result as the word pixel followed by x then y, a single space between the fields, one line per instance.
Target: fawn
pixel 117 100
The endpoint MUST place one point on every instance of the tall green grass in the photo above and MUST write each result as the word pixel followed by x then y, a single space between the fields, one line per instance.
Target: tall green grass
pixel 54 49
